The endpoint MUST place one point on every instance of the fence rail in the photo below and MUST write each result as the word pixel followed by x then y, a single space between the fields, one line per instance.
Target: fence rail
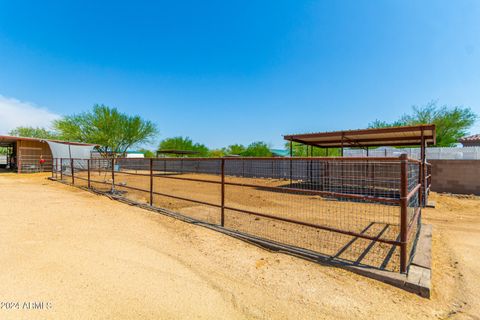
pixel 363 211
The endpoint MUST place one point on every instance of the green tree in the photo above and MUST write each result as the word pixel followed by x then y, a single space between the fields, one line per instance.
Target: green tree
pixel 451 123
pixel 300 150
pixel 147 153
pixel 113 131
pixel 257 149
pixel 235 149
pixel 33 132
pixel 216 153
pixel 184 144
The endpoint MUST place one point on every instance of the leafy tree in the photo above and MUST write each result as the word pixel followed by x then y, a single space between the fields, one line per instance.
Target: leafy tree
pixel 33 132
pixel 147 153
pixel 451 123
pixel 257 149
pixel 300 150
pixel 235 149
pixel 113 131
pixel 216 153
pixel 184 144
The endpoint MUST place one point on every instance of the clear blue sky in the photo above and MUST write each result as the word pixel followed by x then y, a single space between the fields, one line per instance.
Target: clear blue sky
pixel 227 72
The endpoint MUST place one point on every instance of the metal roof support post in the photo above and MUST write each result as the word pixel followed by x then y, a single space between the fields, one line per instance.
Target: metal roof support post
pixel 222 199
pixel 291 155
pixel 422 193
pixel 343 135
pixel 403 213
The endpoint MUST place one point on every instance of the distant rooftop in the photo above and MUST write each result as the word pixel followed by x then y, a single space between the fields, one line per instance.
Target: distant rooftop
pixel 472 138
pixel 280 152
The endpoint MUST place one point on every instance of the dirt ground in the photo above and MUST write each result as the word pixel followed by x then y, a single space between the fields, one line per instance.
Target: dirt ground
pixel 88 257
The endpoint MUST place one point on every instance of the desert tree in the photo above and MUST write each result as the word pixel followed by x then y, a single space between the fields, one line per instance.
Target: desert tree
pixel 33 132
pixel 257 149
pixel 184 144
pixel 451 123
pixel 235 149
pixel 113 131
pixel 302 150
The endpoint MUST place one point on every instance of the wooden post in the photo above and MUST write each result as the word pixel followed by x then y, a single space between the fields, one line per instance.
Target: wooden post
pixel 151 182
pixel 403 212
pixel 61 168
pixel 222 218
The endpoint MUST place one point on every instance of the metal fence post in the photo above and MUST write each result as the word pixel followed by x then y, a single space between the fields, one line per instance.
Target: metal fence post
pixel 151 181
pixel 222 220
pixel 72 171
pixel 420 180
pixel 113 174
pixel 88 172
pixel 291 156
pixel 403 212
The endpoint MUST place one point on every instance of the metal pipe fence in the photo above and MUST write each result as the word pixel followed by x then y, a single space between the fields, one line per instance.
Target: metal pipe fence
pixel 362 211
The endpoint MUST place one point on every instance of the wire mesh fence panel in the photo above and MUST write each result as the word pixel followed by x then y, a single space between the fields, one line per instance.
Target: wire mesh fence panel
pixel 80 172
pixel 432 153
pixel 101 177
pixel 31 159
pixel 318 205
pixel 132 179
pixel 65 170
pixel 344 209
pixel 189 187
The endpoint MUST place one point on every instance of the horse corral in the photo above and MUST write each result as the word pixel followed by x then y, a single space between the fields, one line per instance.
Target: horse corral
pixel 345 209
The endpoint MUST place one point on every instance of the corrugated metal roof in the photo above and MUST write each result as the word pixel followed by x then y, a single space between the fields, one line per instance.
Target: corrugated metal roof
pixel 11 139
pixel 390 136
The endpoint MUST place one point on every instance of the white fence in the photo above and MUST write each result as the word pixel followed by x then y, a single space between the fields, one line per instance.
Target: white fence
pixel 458 153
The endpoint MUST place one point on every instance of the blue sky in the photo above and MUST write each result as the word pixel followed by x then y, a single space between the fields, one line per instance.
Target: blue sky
pixel 226 72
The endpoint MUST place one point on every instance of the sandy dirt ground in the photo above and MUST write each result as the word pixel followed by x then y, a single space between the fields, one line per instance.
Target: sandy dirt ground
pixel 88 257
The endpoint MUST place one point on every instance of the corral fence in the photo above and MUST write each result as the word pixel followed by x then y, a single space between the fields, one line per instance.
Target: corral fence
pixel 431 153
pixel 361 211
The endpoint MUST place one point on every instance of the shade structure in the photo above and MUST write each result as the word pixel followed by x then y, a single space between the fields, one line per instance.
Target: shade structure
pixel 67 150
pixel 377 137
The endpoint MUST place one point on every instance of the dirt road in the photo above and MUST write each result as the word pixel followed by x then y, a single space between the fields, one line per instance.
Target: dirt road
pixel 88 257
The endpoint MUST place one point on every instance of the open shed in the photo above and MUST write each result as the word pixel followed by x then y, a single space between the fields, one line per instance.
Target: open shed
pixel 418 135
pixel 25 154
